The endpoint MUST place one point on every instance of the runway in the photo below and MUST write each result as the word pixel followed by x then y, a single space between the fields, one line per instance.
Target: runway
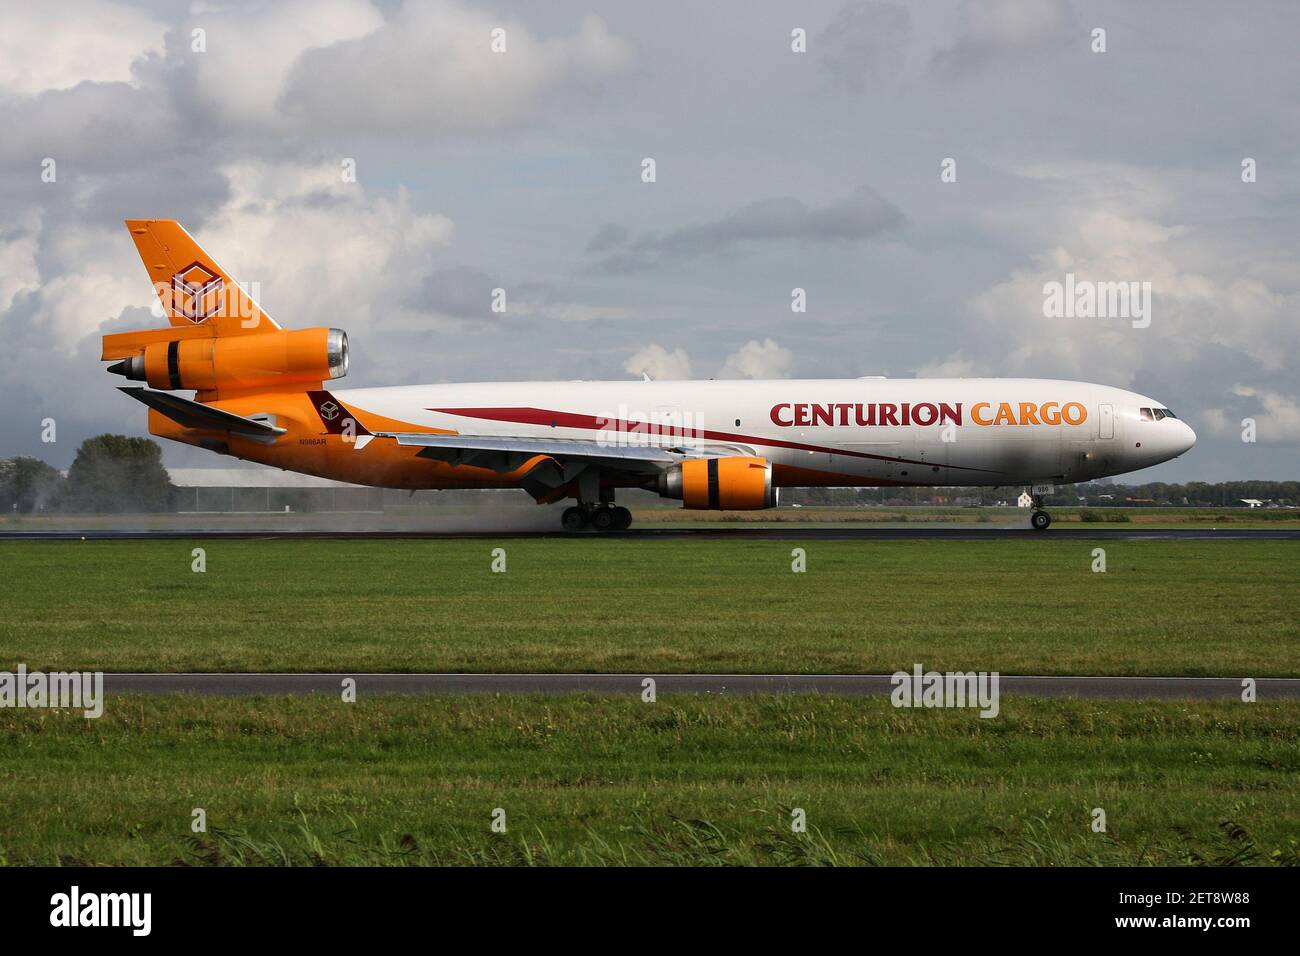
pixel 1082 533
pixel 852 685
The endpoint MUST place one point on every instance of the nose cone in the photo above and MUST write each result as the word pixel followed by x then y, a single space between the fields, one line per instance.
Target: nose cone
pixel 1186 437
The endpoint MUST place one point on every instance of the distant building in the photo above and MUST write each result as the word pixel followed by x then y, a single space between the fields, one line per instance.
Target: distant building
pixel 206 490
pixel 1026 500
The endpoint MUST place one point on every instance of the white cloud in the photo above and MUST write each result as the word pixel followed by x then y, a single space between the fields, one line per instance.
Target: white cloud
pixel 17 265
pixel 88 274
pixel 572 311
pixel 864 44
pixel 316 251
pixel 954 366
pixel 322 251
pixel 74 304
pixel 55 46
pixel 1279 422
pixel 1204 293
pixel 996 28
pixel 756 359
pixel 432 66
pixel 861 216
pixel 248 57
pixel 660 364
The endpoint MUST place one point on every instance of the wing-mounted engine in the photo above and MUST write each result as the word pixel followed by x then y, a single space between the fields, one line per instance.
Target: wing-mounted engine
pixel 741 483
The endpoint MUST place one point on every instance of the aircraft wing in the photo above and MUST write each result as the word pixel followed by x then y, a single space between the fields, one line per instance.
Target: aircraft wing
pixel 505 453
pixel 197 415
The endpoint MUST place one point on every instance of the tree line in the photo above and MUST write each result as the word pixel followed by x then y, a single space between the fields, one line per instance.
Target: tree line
pixel 111 474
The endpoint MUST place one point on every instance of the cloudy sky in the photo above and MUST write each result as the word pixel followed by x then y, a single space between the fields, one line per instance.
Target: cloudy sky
pixel 774 170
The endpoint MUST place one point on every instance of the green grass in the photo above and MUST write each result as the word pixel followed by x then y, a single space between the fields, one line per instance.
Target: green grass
pixel 687 780
pixel 1018 606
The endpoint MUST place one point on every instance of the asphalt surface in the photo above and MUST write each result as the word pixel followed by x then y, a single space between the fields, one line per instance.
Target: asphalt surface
pixel 699 534
pixel 856 685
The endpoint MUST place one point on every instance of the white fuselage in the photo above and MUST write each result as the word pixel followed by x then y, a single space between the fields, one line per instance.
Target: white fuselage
pixel 827 431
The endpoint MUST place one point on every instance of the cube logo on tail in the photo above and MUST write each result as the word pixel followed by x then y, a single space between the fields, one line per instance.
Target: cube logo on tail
pixel 196 292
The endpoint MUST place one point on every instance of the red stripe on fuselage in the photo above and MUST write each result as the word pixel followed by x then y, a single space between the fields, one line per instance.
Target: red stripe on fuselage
pixel 548 418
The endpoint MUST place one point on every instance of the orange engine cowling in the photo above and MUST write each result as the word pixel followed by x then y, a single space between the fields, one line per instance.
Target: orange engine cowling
pixel 260 360
pixel 730 484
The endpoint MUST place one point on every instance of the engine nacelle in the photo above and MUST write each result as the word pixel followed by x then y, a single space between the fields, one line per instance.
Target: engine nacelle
pixel 720 484
pixel 236 362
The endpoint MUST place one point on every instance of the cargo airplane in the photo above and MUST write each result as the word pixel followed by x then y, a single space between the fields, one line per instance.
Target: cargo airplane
pixel 265 394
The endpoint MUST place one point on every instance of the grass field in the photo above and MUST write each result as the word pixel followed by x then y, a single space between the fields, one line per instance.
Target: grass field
pixel 683 781
pixel 1019 606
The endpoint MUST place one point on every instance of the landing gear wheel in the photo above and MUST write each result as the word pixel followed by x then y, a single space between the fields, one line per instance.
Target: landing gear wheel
pixel 1041 520
pixel 602 519
pixel 573 519
pixel 622 518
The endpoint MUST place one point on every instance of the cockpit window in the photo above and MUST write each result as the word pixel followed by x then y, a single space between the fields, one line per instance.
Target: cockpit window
pixel 1159 413
pixel 1145 414
pixel 1168 413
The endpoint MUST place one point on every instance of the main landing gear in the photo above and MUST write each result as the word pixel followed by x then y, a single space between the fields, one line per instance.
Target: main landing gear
pixel 595 508
pixel 1039 518
pixel 602 517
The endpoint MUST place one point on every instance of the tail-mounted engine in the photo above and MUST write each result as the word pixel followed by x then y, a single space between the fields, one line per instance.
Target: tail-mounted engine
pixel 731 484
pixel 236 362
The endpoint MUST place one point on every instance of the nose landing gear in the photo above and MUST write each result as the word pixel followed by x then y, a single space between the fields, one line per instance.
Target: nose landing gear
pixel 1039 518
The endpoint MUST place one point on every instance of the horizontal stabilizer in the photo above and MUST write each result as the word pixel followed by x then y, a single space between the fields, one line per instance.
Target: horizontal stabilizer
pixel 192 414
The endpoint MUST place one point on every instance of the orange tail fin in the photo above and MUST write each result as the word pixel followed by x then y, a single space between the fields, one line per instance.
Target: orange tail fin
pixel 220 342
pixel 192 286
